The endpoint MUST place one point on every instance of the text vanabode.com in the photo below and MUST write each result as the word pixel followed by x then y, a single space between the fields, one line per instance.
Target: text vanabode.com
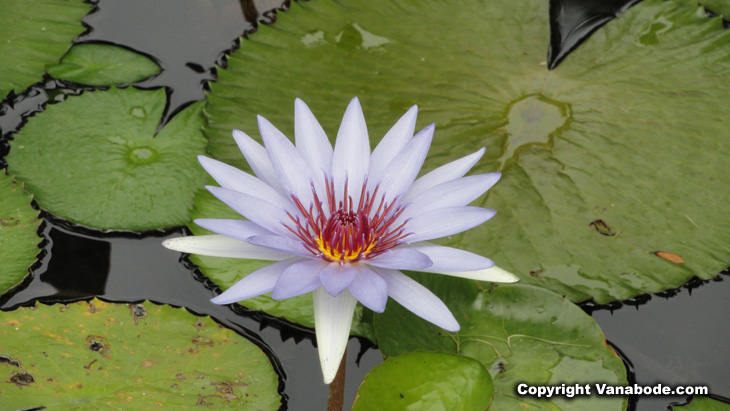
pixel 572 390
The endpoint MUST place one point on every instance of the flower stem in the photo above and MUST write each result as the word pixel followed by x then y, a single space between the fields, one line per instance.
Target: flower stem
pixel 336 397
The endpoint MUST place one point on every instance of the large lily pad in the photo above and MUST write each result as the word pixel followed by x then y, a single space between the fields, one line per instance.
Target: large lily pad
pixel 90 356
pixel 96 160
pixel 227 271
pixel 103 65
pixel 19 224
pixel 521 333
pixel 35 33
pixel 614 164
pixel 425 381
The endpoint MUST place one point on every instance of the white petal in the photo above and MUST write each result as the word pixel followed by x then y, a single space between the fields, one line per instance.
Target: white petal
pixel 257 158
pixel 446 221
pixel 447 172
pixel 494 274
pixel 404 168
pixel 447 259
pixel 235 179
pixel 280 243
pixel 263 213
pixel 258 282
pixel 418 299
pixel 336 277
pixel 222 246
pixel 311 140
pixel 369 288
pixel 352 153
pixel 401 258
pixel 291 168
pixel 454 193
pixel 390 145
pixel 298 279
pixel 238 229
pixel 332 322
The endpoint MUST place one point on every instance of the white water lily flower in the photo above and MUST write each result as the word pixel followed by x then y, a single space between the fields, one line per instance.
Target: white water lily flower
pixel 341 223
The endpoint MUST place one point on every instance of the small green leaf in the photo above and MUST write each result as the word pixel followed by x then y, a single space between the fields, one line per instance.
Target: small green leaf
pixel 521 333
pixel 630 130
pixel 227 271
pixel 103 65
pixel 702 403
pixel 425 381
pixel 95 160
pixel 35 33
pixel 19 224
pixel 97 355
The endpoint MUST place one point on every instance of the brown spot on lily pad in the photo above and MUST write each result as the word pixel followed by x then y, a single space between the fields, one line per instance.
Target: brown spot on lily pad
pixel 675 258
pixel 602 228
pixel 21 379
pixel 99 344
pixel 138 311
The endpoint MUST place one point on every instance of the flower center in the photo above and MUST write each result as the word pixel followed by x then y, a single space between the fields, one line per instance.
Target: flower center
pixel 347 233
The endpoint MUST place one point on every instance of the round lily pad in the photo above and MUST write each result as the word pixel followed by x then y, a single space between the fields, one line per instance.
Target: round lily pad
pixel 97 355
pixel 227 271
pixel 521 333
pixel 19 224
pixel 425 381
pixel 103 65
pixel 610 162
pixel 98 160
pixel 35 33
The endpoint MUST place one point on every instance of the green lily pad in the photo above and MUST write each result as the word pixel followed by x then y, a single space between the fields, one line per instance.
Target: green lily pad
pixel 103 65
pixel 425 381
pixel 96 160
pixel 610 163
pixel 19 224
pixel 90 356
pixel 227 271
pixel 521 333
pixel 35 33
pixel 702 403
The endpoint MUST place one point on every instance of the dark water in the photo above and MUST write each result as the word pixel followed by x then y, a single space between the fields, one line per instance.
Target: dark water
pixel 675 339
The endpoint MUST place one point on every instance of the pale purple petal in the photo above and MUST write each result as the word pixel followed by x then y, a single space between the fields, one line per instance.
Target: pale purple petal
pixel 493 274
pixel 258 282
pixel 291 168
pixel 352 153
pixel 336 277
pixel 234 179
pixel 418 299
pixel 257 159
pixel 222 246
pixel 263 213
pixel 238 229
pixel 332 322
pixel 312 143
pixel 446 221
pixel 402 258
pixel 369 288
pixel 284 244
pixel 452 259
pixel 404 168
pixel 390 145
pixel 298 279
pixel 454 193
pixel 447 172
